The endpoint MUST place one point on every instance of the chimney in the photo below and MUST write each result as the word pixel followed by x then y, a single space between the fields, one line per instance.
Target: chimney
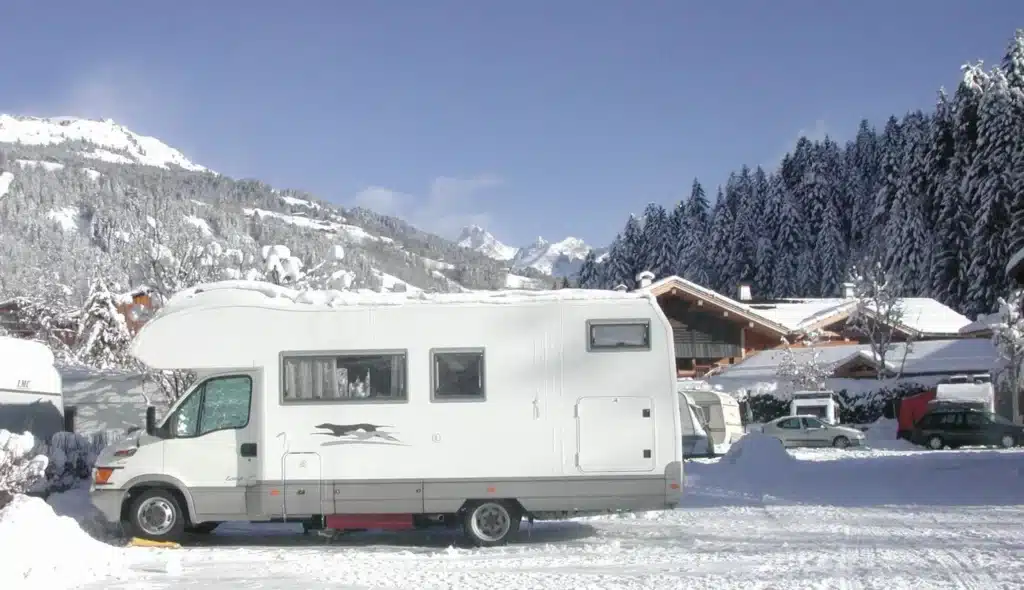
pixel 621 288
pixel 745 292
pixel 644 279
pixel 847 290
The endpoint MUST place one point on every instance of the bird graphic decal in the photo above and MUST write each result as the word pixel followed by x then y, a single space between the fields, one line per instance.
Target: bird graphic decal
pixel 358 432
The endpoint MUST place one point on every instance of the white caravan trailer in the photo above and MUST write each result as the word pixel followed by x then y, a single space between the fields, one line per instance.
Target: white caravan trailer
pixel 30 389
pixel 723 415
pixel 815 403
pixel 694 428
pixel 348 411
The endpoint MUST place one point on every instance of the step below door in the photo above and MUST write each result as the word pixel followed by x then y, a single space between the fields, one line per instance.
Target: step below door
pixel 615 434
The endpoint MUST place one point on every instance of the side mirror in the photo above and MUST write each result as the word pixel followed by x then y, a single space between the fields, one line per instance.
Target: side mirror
pixel 150 420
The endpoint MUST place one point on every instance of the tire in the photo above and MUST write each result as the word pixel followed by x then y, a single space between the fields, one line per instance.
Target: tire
pixel 490 523
pixel 840 442
pixel 935 442
pixel 156 514
pixel 203 528
pixel 1007 441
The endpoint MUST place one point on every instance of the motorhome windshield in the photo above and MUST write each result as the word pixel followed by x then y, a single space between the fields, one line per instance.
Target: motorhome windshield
pixel 815 410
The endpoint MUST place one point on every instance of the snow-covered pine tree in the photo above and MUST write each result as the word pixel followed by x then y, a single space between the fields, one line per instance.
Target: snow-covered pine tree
pixel 658 241
pixel 764 274
pixel 587 277
pixel 746 203
pixel 719 246
pixel 788 245
pixel 697 228
pixel 825 193
pixel 908 248
pixel 1008 338
pixel 677 237
pixel 862 161
pixel 891 163
pixel 629 256
pixel 103 337
pixel 989 190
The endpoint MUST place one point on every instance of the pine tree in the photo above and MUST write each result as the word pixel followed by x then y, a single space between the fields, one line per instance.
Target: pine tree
pixel 658 241
pixel 587 277
pixel 103 338
pixel 720 246
pixel 695 241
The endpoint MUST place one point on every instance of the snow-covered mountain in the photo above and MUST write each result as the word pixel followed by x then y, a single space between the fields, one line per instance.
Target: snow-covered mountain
pixel 109 141
pixel 80 197
pixel 560 259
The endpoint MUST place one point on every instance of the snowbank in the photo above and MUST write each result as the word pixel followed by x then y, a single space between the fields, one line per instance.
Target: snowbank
pixel 21 467
pixel 43 550
pixel 881 434
pixel 755 451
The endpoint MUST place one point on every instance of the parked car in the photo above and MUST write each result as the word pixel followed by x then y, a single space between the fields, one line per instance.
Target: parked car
pixel 810 431
pixel 958 427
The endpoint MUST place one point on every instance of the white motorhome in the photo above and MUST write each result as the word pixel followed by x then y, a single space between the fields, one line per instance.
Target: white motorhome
pixel 30 389
pixel 722 411
pixel 348 411
pixel 821 404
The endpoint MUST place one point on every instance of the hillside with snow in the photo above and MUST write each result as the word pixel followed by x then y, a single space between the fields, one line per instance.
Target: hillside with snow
pixel 83 197
pixel 559 259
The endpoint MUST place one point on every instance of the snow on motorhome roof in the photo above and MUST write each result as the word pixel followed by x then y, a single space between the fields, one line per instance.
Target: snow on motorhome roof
pixel 244 292
pixel 24 353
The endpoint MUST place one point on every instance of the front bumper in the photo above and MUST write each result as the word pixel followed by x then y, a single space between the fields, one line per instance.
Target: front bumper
pixel 108 502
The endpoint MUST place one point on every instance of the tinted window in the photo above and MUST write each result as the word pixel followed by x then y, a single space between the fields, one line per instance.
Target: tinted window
pixel 619 336
pixel 976 420
pixel 458 375
pixel 813 423
pixel 789 423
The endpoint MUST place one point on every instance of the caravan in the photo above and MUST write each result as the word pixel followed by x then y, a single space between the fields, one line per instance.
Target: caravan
pixel 820 404
pixel 30 389
pixel 696 440
pixel 347 411
pixel 722 411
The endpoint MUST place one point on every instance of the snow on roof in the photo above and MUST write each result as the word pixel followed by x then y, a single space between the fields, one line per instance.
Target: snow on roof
pixel 661 286
pixel 929 356
pixel 244 292
pixel 796 314
pixel 928 316
pixel 984 323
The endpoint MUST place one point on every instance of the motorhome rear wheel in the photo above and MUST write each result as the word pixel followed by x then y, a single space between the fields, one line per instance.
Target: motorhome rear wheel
pixel 491 522
pixel 156 515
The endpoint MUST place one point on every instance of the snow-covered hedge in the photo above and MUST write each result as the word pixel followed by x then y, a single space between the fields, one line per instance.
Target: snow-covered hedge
pixel 858 406
pixel 22 466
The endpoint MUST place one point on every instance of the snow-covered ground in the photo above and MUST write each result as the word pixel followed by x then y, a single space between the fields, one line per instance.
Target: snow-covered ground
pixel 759 517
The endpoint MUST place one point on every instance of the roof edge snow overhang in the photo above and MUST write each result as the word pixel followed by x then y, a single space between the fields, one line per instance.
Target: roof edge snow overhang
pixel 1015 268
pixel 667 285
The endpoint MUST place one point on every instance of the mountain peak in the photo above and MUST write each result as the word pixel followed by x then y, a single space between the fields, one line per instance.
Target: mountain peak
pixel 115 143
pixel 561 258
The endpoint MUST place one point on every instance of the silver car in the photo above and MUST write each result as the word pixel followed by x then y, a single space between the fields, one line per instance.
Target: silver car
pixel 809 431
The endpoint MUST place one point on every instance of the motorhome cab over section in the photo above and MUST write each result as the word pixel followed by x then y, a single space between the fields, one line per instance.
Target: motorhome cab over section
pixel 349 411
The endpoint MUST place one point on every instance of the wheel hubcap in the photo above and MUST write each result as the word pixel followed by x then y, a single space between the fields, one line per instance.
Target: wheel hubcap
pixel 935 443
pixel 156 516
pixel 1007 441
pixel 491 522
pixel 842 442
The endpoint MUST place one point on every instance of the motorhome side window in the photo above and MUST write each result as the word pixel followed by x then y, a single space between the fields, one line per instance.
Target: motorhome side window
pixel 457 375
pixel 624 335
pixel 345 378
pixel 221 403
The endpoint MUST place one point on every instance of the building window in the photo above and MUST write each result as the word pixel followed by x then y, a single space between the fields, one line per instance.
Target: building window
pixel 457 375
pixel 624 335
pixel 363 377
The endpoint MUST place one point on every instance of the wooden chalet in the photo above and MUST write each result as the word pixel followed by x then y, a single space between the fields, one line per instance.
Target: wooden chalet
pixel 712 330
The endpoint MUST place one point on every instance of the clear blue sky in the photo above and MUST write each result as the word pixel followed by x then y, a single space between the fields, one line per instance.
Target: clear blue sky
pixel 551 118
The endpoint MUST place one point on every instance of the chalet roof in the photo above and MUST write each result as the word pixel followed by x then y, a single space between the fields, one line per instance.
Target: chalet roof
pixel 667 284
pixel 922 315
pixel 985 323
pixel 967 355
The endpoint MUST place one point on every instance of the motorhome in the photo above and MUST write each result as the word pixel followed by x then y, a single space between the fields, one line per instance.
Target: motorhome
pixel 30 389
pixel 380 411
pixel 821 404
pixel 725 425
pixel 965 394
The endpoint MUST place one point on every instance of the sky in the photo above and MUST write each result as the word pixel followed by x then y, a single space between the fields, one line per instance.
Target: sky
pixel 527 117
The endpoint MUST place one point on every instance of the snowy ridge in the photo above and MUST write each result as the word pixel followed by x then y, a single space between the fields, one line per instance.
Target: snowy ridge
pixel 477 238
pixel 242 292
pixel 138 149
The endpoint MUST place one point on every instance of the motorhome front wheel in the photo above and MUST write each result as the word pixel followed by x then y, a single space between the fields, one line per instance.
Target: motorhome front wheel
pixel 490 523
pixel 156 515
